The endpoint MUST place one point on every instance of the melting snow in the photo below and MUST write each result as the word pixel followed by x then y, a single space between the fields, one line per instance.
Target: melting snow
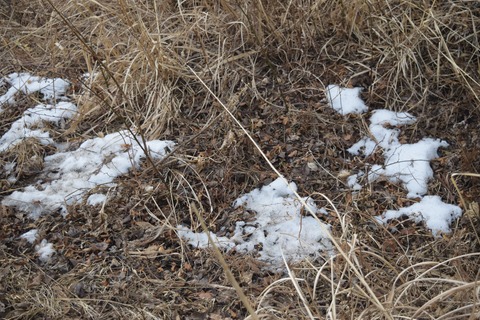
pixel 345 100
pixel 33 118
pixel 352 181
pixel 96 198
pixel 436 214
pixel 26 83
pixel 67 176
pixel 408 164
pixel 30 236
pixel 405 163
pixel 385 137
pixel 44 250
pixel 279 227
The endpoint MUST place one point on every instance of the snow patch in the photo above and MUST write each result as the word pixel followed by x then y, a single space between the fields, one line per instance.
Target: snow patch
pixel 96 198
pixel 45 250
pixel 31 123
pixel 279 227
pixel 24 82
pixel 345 100
pixel 67 176
pixel 431 209
pixel 30 236
pixel 353 181
pixel 408 164
pixel 200 240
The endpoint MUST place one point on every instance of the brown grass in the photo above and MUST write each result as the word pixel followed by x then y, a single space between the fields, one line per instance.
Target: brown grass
pixel 195 72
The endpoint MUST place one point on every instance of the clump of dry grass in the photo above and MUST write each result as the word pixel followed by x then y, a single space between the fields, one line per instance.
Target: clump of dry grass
pixel 28 157
pixel 267 62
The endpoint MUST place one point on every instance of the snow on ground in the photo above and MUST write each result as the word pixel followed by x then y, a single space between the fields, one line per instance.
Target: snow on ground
pixel 437 215
pixel 67 176
pixel 279 227
pixel 30 236
pixel 405 163
pixel 352 181
pixel 31 123
pixel 24 82
pixel 408 164
pixel 44 250
pixel 345 100
pixel 96 198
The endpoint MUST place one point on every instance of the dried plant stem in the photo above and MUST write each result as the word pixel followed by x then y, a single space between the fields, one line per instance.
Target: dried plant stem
pixel 226 268
pixel 324 229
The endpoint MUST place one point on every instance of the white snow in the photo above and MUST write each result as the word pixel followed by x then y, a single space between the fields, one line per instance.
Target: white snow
pixel 67 176
pixel 385 137
pixel 30 124
pixel 9 170
pixel 353 181
pixel 96 198
pixel 345 100
pixel 408 164
pixel 279 227
pixel 431 209
pixel 26 83
pixel 45 250
pixel 30 236
pixel 200 239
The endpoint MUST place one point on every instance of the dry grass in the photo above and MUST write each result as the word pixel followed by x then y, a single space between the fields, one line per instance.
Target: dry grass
pixel 262 65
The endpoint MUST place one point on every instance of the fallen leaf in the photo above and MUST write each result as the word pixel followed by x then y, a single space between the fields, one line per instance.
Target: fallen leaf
pixel 37 280
pixel 205 295
pixel 187 267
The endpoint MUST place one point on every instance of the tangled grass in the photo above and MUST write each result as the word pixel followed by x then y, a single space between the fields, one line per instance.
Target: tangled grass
pixel 193 71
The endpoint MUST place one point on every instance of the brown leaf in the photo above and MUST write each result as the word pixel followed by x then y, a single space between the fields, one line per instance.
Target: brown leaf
pixel 37 280
pixel 389 245
pixel 187 267
pixel 99 246
pixel 205 295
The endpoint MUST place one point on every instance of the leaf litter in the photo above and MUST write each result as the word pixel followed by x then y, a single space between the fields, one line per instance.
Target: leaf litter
pixel 405 266
pixel 279 228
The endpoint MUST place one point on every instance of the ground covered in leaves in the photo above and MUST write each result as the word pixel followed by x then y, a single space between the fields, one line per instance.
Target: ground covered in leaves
pixel 269 63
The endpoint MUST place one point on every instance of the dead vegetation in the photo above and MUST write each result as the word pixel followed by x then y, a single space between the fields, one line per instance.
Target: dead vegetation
pixel 268 62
